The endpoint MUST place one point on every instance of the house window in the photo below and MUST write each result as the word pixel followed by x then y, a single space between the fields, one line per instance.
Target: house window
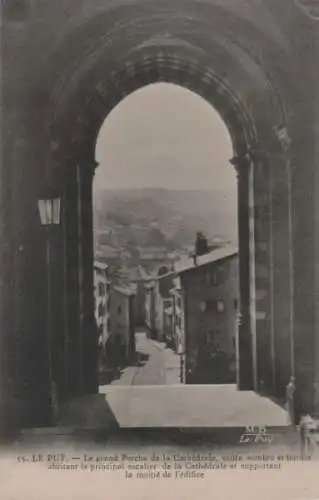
pixel 214 306
pixel 212 277
pixel 217 275
pixel 211 337
pixel 119 310
pixel 178 321
pixel 220 306
pixel 203 306
pixel 236 304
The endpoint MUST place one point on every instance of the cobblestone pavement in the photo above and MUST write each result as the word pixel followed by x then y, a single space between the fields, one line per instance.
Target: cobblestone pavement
pixel 155 365
pixel 149 397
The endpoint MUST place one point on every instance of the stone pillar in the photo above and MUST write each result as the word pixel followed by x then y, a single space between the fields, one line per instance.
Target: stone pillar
pixel 316 234
pixel 300 336
pixel 89 334
pixel 280 270
pixel 303 159
pixel 19 227
pixel 81 353
pixel 255 334
pixel 299 162
pixel 261 253
pixel 71 282
pixel 24 278
pixel 7 410
pixel 244 347
pixel 57 297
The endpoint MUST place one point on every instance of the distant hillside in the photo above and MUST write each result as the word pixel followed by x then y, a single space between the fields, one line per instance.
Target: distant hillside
pixel 179 214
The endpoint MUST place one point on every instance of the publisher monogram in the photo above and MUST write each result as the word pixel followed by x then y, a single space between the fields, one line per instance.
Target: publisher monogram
pixel 254 434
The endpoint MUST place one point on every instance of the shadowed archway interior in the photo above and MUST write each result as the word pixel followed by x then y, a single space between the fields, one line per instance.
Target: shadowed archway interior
pixel 78 113
pixel 244 59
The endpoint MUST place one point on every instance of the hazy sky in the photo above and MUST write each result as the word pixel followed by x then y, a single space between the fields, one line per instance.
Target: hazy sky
pixel 164 136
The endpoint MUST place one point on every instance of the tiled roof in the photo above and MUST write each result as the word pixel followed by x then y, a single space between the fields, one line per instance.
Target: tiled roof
pixel 188 264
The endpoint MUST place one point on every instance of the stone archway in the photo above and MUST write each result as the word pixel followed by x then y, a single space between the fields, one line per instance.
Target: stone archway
pixel 240 58
pixel 80 109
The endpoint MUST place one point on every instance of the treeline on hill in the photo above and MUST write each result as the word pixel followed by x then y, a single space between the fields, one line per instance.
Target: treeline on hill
pixel 171 217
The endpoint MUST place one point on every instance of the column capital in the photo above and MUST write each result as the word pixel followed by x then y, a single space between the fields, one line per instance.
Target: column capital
pixel 251 155
pixel 254 156
pixel 240 161
pixel 89 166
pixel 309 7
pixel 282 135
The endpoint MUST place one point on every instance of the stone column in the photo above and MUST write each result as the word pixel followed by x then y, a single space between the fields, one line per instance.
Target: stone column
pixel 22 359
pixel 281 265
pixel 89 337
pixel 316 234
pixel 261 254
pixel 245 378
pixel 80 345
pixel 71 281
pixel 7 410
pixel 57 292
pixel 26 347
pixel 255 333
pixel 303 154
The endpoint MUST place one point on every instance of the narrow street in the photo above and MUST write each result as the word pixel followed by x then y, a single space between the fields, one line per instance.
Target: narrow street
pixel 155 365
pixel 149 395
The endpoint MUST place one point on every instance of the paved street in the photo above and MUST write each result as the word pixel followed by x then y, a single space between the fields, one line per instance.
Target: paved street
pixel 149 394
pixel 155 365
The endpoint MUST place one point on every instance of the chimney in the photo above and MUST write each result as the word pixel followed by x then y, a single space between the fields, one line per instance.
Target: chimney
pixel 201 244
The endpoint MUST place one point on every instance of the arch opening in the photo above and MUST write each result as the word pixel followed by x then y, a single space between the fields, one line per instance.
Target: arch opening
pixel 74 128
pixel 244 61
pixel 79 110
pixel 164 177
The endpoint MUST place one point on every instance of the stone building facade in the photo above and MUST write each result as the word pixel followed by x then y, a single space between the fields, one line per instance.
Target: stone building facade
pixel 178 320
pixel 102 287
pixel 137 277
pixel 208 303
pixel 157 300
pixel 150 313
pixel 122 338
